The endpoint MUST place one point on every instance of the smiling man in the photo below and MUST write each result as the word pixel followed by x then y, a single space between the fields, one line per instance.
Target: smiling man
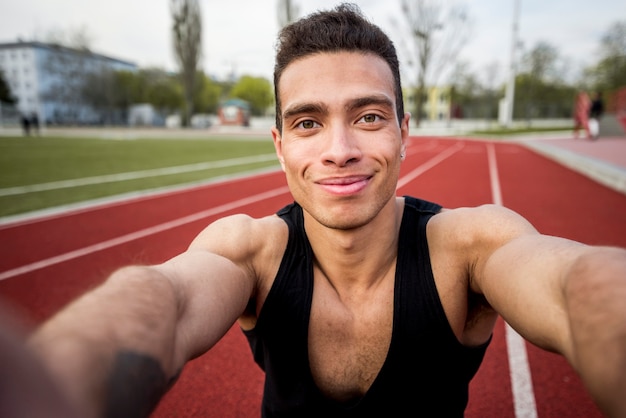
pixel 339 147
pixel 355 302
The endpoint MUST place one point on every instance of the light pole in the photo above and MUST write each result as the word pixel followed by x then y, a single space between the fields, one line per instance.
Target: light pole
pixel 510 87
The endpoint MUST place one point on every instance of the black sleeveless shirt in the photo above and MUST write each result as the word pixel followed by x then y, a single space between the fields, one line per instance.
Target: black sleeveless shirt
pixel 426 372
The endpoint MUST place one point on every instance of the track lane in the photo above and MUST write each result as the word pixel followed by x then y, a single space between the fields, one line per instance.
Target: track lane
pixel 588 213
pixel 563 203
pixel 49 236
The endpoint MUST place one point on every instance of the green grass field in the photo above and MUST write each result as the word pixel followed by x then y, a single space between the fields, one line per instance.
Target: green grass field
pixel 46 161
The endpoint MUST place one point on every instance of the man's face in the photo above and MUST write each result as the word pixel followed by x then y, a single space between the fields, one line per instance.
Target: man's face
pixel 341 142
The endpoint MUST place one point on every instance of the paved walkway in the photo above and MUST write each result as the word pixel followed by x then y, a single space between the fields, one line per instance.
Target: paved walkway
pixel 603 159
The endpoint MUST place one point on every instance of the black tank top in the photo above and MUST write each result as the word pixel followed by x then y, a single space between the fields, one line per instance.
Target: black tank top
pixel 426 372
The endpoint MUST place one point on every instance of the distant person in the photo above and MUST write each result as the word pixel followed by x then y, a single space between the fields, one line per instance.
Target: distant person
pixel 25 120
pixel 34 120
pixel 581 113
pixel 596 110
pixel 356 302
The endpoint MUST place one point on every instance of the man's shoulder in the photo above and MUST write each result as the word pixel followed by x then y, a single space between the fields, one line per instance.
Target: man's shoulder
pixel 485 222
pixel 465 238
pixel 244 225
pixel 241 235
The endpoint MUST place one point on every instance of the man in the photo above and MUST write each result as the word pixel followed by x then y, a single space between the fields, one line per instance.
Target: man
pixel 596 110
pixel 356 302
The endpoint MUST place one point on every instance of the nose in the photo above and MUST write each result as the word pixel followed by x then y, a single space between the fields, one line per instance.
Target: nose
pixel 341 146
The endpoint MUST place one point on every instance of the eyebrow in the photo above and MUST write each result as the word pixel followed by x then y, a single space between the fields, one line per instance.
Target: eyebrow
pixel 377 99
pixel 304 108
pixel 322 109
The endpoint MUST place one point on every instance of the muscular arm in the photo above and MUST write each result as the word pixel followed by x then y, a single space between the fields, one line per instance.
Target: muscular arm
pixel 117 349
pixel 595 295
pixel 565 297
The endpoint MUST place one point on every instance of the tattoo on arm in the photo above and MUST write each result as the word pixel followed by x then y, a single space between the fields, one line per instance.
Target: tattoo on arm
pixel 136 384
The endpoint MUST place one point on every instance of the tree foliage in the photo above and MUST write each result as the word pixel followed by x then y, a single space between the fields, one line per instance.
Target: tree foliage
pixel 472 98
pixel 187 39
pixel 208 94
pixel 610 72
pixel 255 90
pixel 542 91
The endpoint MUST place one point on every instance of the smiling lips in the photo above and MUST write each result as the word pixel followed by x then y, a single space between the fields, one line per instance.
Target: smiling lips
pixel 344 185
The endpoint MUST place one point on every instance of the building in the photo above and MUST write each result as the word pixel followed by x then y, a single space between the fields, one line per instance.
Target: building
pixel 436 103
pixel 234 112
pixel 50 80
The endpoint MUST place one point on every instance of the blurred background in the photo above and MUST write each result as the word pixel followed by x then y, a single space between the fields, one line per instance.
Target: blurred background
pixel 195 63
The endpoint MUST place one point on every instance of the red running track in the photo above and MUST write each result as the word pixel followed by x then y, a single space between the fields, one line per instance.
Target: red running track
pixel 50 260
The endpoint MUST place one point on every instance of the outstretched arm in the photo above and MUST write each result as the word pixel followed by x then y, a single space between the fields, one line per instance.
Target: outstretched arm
pixel 595 296
pixel 116 350
pixel 565 297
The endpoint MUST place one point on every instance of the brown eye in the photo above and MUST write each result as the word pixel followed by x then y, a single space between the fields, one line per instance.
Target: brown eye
pixel 371 118
pixel 308 124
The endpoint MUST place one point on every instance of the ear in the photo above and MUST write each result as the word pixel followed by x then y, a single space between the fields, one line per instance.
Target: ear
pixel 278 146
pixel 404 132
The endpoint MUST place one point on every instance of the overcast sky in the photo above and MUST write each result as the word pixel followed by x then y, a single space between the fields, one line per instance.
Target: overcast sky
pixel 239 35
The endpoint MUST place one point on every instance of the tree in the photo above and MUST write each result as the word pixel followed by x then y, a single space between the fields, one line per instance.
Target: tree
pixel 610 72
pixel 541 61
pixel 541 86
pixel 5 91
pixel 97 91
pixel 208 94
pixel 187 38
pixel 255 90
pixel 287 12
pixel 469 97
pixel 165 94
pixel 438 33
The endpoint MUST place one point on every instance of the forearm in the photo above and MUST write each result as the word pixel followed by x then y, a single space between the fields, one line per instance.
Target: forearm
pixel 595 292
pixel 114 340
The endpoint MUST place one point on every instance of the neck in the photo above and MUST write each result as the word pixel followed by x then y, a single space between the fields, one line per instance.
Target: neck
pixel 360 255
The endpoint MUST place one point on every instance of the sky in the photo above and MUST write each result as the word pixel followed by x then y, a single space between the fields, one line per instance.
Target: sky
pixel 239 35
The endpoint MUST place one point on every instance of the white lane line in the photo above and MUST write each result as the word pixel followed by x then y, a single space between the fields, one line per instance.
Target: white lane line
pixel 429 164
pixel 132 175
pixel 494 176
pixel 141 234
pixel 521 381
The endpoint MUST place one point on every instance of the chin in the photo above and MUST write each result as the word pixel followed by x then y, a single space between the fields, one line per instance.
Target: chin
pixel 345 218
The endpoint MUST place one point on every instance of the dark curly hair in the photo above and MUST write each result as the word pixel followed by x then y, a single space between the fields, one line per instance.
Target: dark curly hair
pixel 343 28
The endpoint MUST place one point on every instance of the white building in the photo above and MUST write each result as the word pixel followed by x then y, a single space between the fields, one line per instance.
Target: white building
pixel 47 79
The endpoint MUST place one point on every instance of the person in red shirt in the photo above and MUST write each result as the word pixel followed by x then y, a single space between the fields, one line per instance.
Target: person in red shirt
pixel 581 114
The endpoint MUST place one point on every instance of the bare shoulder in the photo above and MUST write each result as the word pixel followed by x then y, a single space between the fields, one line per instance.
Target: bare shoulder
pixel 468 226
pixel 462 240
pixel 249 242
